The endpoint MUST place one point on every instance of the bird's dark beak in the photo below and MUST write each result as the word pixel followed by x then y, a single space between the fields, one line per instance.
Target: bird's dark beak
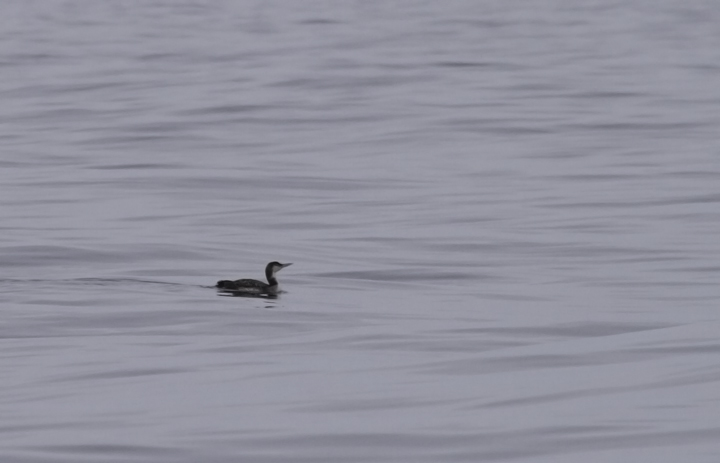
pixel 286 265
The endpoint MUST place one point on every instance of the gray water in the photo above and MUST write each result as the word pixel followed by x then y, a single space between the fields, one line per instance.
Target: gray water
pixel 503 219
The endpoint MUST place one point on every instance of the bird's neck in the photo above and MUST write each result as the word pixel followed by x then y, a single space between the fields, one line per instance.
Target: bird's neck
pixel 270 275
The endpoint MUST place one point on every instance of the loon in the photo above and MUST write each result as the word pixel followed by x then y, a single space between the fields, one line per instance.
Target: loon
pixel 256 286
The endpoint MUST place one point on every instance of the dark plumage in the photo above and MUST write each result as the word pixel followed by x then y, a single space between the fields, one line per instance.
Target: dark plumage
pixel 255 286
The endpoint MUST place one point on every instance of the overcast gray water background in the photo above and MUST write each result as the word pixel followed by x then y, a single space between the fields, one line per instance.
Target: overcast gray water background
pixel 503 219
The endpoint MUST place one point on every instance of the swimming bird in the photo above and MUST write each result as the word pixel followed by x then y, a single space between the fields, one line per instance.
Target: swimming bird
pixel 256 286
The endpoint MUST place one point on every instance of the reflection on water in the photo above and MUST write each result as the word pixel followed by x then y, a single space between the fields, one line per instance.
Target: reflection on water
pixel 236 293
pixel 506 217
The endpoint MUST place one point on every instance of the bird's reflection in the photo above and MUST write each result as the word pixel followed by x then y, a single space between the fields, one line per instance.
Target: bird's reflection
pixel 231 293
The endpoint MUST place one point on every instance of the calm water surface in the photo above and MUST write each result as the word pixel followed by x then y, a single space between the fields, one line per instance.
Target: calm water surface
pixel 503 219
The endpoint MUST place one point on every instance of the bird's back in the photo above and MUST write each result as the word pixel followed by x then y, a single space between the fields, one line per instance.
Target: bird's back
pixel 243 285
